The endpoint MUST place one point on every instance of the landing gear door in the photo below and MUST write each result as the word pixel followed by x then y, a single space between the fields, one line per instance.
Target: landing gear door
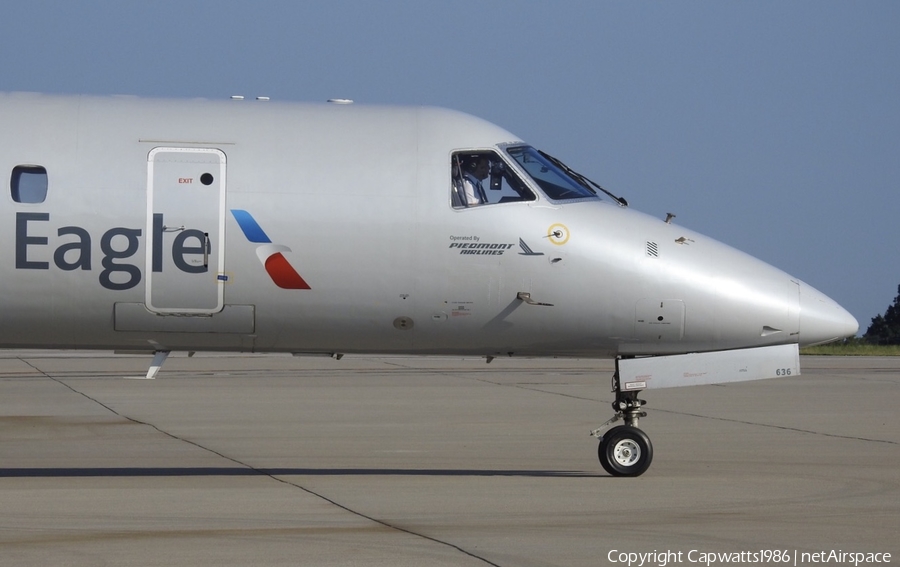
pixel 185 264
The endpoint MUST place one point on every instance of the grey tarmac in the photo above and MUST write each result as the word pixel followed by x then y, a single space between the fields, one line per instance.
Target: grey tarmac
pixel 275 460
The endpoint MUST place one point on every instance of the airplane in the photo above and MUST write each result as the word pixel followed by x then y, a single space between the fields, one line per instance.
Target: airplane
pixel 156 225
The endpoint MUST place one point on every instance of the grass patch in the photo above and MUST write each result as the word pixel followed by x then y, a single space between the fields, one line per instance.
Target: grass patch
pixel 852 347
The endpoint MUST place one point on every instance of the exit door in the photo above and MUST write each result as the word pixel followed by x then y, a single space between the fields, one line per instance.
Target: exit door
pixel 185 265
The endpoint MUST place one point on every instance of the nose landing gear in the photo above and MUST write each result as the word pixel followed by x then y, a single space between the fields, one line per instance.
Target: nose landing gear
pixel 624 450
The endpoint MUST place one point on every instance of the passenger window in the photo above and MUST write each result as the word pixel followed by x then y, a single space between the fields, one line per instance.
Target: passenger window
pixel 28 184
pixel 483 178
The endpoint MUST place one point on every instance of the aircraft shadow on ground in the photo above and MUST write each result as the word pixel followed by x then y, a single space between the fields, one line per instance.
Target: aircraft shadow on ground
pixel 62 472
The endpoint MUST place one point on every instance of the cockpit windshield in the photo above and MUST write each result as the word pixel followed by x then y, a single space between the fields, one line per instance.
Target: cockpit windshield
pixel 470 170
pixel 550 175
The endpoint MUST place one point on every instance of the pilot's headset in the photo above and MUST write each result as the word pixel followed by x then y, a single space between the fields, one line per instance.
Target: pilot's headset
pixel 469 163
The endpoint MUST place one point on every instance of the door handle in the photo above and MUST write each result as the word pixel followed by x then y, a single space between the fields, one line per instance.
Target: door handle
pixel 205 249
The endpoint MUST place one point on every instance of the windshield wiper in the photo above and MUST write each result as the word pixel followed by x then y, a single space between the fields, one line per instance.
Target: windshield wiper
pixel 582 179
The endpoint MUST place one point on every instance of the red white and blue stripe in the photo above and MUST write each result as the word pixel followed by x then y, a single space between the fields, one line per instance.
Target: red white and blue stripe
pixel 270 255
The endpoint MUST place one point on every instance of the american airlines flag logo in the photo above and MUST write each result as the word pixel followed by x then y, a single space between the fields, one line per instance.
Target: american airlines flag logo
pixel 270 255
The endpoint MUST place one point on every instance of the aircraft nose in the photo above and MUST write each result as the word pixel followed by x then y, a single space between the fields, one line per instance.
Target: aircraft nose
pixel 822 320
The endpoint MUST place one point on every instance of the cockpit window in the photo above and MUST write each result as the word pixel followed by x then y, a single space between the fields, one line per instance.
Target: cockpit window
pixel 483 178
pixel 28 184
pixel 550 177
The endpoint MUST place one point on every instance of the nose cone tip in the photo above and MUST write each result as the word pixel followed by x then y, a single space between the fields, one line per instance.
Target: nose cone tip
pixel 822 320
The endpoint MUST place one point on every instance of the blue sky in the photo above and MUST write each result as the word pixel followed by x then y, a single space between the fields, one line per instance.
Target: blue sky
pixel 772 126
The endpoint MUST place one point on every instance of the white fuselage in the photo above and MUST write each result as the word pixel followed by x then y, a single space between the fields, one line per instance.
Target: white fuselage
pixel 146 241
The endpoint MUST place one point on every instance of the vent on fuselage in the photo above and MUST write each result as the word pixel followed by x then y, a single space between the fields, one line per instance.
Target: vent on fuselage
pixel 652 250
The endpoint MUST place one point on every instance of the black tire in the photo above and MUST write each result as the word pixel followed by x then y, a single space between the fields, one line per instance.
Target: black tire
pixel 625 451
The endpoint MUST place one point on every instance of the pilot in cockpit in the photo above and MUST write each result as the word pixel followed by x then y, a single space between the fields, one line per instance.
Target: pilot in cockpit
pixel 469 173
pixel 474 169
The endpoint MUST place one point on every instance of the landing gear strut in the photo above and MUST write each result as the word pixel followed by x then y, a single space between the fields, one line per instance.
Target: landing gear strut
pixel 624 450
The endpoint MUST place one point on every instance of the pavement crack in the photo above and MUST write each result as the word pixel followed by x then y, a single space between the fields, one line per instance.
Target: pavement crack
pixel 782 427
pixel 697 415
pixel 272 476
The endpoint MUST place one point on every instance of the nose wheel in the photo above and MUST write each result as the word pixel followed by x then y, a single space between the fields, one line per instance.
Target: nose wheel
pixel 624 450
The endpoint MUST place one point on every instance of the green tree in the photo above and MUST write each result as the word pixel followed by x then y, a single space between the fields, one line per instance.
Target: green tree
pixel 885 329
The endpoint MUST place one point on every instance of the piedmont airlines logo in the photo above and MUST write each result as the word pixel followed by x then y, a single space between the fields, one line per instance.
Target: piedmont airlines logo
pixel 270 255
